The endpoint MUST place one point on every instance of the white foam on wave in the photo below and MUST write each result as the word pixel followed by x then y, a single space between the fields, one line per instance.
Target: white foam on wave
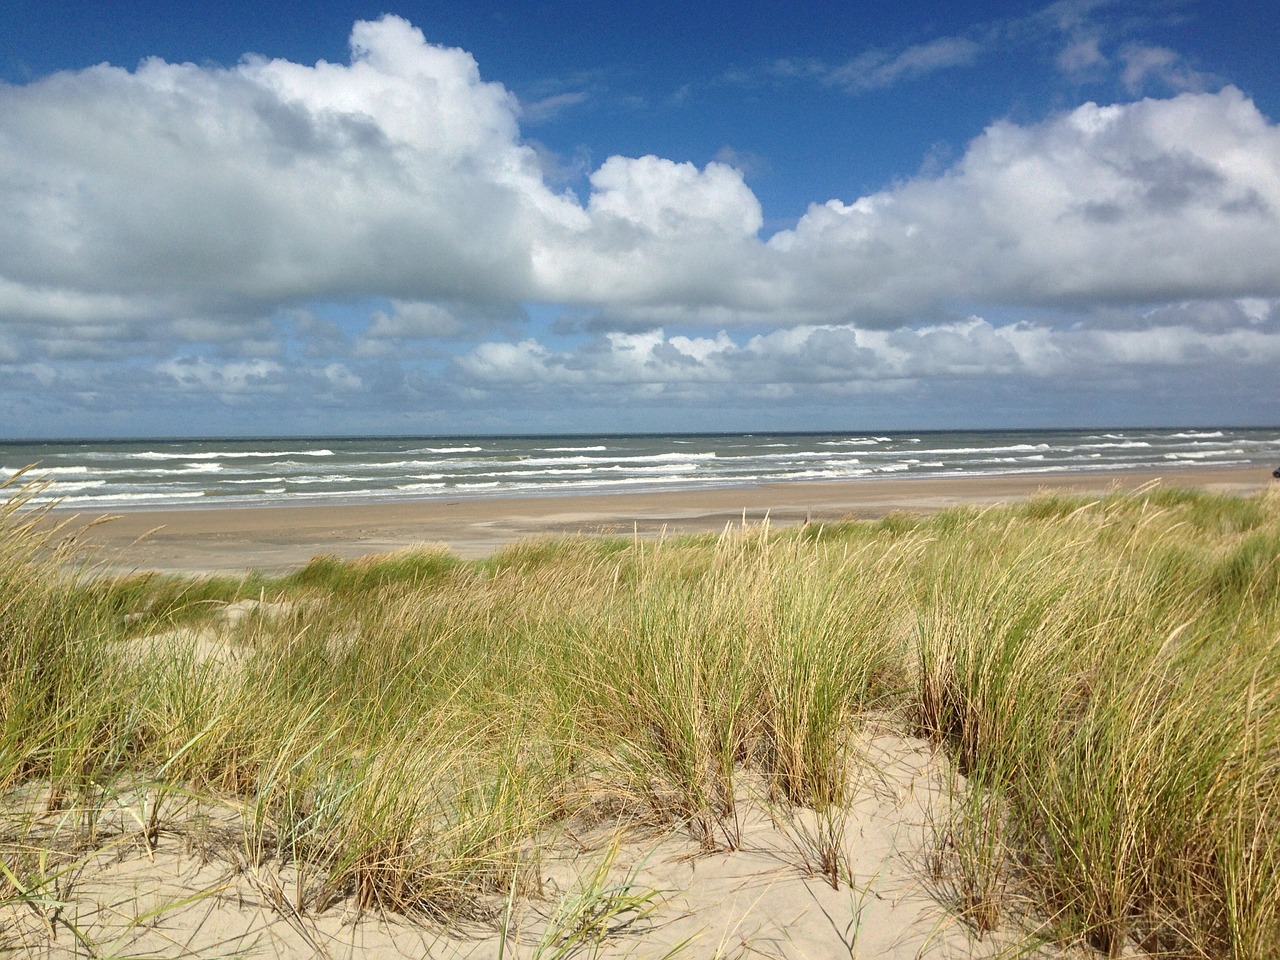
pixel 72 486
pixel 1121 445
pixel 842 473
pixel 1013 448
pixel 602 461
pixel 565 485
pixel 545 472
pixel 190 468
pixel 403 465
pixel 38 472
pixel 91 499
pixel 1201 454
pixel 227 454
pixel 851 455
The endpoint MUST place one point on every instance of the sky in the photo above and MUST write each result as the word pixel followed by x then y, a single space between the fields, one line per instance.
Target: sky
pixel 342 218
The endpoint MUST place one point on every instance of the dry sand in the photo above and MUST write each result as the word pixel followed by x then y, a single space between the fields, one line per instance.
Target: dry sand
pixel 199 892
pixel 279 538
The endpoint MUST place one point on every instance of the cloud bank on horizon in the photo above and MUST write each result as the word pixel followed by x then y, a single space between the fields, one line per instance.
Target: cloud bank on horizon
pixel 374 246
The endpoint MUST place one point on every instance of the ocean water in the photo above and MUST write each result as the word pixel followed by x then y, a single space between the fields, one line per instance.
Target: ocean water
pixel 186 473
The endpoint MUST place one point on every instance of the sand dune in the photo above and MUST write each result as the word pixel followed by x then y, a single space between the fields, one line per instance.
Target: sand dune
pixel 196 894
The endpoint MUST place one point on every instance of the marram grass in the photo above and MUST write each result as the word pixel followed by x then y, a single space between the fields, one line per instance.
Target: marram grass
pixel 408 731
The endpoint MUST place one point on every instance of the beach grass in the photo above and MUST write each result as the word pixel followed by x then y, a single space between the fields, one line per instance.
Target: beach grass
pixel 411 734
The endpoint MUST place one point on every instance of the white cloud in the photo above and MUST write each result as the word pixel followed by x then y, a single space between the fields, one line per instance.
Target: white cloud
pixel 183 204
pixel 1148 202
pixel 34 302
pixel 802 359
pixel 524 362
pixel 1145 202
pixel 1257 309
pixel 226 379
pixel 747 163
pixel 214 195
pixel 672 200
pixel 185 189
pixel 414 321
pixel 1143 64
pixel 42 373
pixel 654 232
pixel 878 68
pixel 341 378
pixel 1081 55
pixel 548 108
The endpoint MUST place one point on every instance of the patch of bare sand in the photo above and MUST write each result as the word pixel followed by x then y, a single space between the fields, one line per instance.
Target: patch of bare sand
pixel 216 641
pixel 200 890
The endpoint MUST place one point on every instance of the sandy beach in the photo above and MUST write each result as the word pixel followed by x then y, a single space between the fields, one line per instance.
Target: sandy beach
pixel 275 538
pixel 755 747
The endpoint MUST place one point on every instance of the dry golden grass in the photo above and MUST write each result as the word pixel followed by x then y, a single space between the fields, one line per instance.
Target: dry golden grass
pixel 405 732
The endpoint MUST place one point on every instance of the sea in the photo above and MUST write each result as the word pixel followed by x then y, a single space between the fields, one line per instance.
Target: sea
pixel 116 474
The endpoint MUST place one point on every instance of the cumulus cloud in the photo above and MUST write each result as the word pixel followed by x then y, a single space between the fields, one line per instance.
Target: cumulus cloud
pixel 1155 201
pixel 341 378
pixel 1148 202
pixel 850 358
pixel 181 191
pixel 212 211
pixel 414 321
pixel 180 188
pixel 654 231
pixel 226 379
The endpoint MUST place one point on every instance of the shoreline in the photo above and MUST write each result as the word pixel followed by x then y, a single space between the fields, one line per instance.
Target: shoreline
pixel 278 538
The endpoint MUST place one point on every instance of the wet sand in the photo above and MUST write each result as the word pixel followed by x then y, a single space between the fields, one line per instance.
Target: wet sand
pixel 280 538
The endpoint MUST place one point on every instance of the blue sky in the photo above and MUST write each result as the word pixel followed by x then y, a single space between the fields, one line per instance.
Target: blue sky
pixel 341 218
